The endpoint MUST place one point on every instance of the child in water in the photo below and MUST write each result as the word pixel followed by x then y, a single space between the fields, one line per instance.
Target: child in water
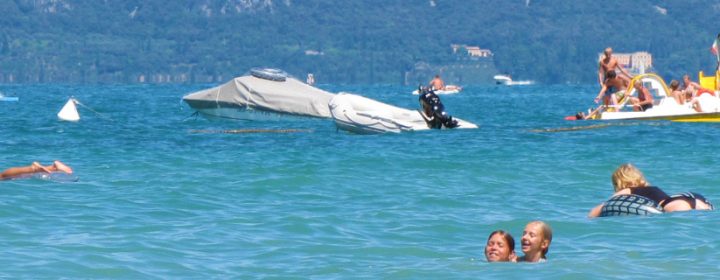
pixel 500 247
pixel 535 242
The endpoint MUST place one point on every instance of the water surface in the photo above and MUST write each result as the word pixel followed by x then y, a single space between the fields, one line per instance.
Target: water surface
pixel 157 200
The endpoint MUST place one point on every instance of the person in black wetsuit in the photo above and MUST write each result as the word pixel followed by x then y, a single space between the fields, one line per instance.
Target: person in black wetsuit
pixel 627 179
pixel 433 110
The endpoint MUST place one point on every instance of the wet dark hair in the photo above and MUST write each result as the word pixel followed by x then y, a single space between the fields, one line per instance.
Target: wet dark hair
pixel 610 74
pixel 508 238
pixel 674 84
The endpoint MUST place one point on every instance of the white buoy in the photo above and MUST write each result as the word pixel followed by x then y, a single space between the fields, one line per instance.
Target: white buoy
pixel 69 111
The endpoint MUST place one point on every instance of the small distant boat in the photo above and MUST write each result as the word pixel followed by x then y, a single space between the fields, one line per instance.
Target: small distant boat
pixel 508 81
pixel 449 89
pixel 502 79
pixel 8 98
pixel 69 111
pixel 363 115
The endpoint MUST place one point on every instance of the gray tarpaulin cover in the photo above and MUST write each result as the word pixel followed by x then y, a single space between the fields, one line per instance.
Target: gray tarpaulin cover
pixel 289 96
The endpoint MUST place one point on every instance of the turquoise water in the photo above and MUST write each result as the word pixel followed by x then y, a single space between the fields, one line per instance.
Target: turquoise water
pixel 156 199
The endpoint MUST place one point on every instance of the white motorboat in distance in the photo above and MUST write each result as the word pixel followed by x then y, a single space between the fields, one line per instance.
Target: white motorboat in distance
pixel 508 81
pixel 8 98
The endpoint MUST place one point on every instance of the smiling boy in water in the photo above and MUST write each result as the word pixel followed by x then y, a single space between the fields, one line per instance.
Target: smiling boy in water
pixel 535 242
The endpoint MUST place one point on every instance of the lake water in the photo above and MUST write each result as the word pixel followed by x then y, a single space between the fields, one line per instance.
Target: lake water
pixel 157 199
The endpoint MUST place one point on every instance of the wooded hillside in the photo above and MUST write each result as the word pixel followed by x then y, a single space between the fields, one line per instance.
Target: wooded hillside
pixel 341 41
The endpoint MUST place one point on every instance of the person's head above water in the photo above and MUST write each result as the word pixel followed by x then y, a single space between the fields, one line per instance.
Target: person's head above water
pixel 628 176
pixel 535 241
pixel 500 247
pixel 580 116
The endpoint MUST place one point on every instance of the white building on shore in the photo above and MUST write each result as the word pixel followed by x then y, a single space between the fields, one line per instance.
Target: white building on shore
pixel 635 63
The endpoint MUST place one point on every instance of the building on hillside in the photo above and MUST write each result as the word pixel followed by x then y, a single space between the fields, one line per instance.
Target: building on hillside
pixel 469 65
pixel 471 51
pixel 636 63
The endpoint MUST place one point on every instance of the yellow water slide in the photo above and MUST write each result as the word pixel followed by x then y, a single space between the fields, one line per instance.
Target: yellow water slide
pixel 709 82
pixel 655 83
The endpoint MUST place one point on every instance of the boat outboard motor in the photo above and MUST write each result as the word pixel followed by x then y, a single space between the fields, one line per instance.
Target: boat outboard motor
pixel 434 110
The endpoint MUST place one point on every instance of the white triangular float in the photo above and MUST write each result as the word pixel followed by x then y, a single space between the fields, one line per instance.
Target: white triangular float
pixel 69 111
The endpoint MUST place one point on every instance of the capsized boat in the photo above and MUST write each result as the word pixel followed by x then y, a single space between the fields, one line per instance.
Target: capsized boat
pixel 664 105
pixel 449 89
pixel 263 94
pixel 363 115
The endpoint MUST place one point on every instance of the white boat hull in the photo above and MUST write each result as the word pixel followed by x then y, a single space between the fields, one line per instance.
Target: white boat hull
pixel 362 115
pixel 668 109
pixel 506 80
pixel 232 111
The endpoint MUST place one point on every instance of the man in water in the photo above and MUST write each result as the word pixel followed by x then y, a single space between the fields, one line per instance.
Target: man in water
pixel 35 167
pixel 437 83
pixel 607 64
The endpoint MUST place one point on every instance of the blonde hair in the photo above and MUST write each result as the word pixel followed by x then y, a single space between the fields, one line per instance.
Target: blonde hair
pixel 547 235
pixel 628 176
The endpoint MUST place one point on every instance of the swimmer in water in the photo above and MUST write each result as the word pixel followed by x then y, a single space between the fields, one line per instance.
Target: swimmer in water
pixel 628 179
pixel 535 242
pixel 33 168
pixel 500 247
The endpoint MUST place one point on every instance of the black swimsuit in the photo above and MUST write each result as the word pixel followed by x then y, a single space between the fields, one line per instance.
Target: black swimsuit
pixel 659 196
pixel 690 197
pixel 653 193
